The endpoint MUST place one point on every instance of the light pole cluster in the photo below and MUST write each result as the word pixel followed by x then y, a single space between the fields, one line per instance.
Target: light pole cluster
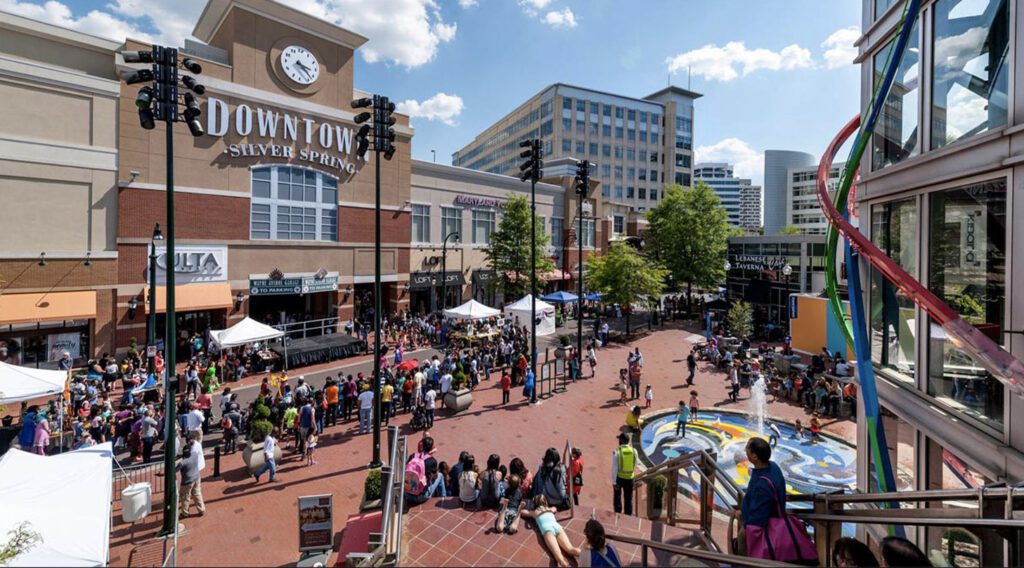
pixel 159 100
pixel 582 186
pixel 444 269
pixel 532 169
pixel 377 124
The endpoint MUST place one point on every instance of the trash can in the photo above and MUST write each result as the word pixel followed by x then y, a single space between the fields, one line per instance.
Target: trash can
pixel 136 501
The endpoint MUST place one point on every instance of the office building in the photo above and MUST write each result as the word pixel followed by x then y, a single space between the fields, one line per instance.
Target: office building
pixel 741 199
pixel 803 211
pixel 777 164
pixel 935 195
pixel 637 145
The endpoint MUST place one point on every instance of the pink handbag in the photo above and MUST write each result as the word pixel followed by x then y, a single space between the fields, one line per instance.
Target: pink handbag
pixel 785 539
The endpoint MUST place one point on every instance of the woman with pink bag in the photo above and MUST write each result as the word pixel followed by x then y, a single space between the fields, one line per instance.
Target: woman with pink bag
pixel 768 531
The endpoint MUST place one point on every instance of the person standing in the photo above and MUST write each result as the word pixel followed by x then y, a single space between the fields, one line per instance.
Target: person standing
pixel 623 472
pixel 269 463
pixel 634 379
pixel 331 395
pixel 506 386
pixel 149 430
pixel 691 366
pixel 190 467
pixel 766 491
pixel 365 400
pixel 592 359
pixel 682 417
pixel 429 401
pixel 26 439
pixel 41 437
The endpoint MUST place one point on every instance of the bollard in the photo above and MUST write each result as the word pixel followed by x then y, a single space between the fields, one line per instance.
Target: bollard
pixel 216 462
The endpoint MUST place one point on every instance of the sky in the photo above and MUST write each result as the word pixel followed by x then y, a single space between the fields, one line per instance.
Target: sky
pixel 775 74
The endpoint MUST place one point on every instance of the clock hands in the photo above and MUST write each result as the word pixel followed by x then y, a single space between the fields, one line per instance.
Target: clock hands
pixel 305 70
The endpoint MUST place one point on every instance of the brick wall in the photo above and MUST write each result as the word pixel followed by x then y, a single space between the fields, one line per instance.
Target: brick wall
pixel 196 216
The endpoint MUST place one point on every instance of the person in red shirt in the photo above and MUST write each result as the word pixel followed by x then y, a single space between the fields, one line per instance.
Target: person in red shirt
pixel 506 387
pixel 576 470
pixel 407 389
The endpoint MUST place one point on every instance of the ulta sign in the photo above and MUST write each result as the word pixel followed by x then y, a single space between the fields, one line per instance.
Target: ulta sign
pixel 336 142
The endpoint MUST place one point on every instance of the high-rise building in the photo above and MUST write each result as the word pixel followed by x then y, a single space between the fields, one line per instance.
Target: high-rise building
pixel 636 145
pixel 802 208
pixel 734 192
pixel 777 164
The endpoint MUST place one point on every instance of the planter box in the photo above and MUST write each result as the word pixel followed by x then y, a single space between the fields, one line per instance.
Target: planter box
pixel 371 505
pixel 252 456
pixel 458 401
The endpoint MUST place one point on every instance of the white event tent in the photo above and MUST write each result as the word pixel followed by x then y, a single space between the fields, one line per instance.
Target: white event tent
pixel 472 310
pixel 246 331
pixel 545 314
pixel 65 498
pixel 18 384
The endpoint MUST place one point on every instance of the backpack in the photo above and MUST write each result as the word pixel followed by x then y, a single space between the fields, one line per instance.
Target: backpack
pixel 416 474
pixel 490 490
pixel 225 423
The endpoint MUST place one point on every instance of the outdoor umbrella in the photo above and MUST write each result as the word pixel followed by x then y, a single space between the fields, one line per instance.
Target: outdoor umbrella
pixel 408 365
pixel 592 297
pixel 560 297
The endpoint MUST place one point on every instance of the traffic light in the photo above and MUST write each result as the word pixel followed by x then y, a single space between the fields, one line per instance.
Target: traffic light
pixel 533 168
pixel 382 121
pixel 385 135
pixel 582 178
pixel 160 99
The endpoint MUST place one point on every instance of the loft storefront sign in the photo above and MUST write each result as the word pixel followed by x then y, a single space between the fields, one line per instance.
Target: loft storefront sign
pixel 289 136
pixel 193 263
pixel 758 262
pixel 292 286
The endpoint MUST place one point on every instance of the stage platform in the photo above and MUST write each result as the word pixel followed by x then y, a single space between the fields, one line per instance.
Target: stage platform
pixel 320 349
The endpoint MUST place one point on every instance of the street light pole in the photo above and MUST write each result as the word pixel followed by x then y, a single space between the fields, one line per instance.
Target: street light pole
pixel 444 269
pixel 151 340
pixel 532 169
pixel 582 184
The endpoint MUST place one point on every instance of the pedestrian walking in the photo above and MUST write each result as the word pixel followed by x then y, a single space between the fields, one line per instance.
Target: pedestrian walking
pixel 365 400
pixel 691 366
pixel 269 462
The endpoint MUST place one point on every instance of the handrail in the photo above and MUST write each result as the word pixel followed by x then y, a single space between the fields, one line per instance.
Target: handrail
pixel 388 541
pixel 689 460
pixel 923 495
pixel 567 461
pixel 719 557
pixel 880 519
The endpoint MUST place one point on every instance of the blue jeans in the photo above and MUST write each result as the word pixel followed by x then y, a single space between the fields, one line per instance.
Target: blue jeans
pixel 268 464
pixel 365 414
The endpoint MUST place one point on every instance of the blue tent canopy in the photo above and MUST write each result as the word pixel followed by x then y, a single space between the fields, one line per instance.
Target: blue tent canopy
pixel 592 297
pixel 560 297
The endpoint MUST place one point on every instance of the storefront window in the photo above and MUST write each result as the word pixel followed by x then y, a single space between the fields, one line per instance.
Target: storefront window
pixel 293 204
pixel 894 229
pixel 41 345
pixel 967 270
pixel 421 223
pixel 484 221
pixel 895 136
pixel 969 76
pixel 451 222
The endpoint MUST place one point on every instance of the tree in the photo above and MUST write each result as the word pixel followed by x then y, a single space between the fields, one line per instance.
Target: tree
pixel 20 540
pixel 789 230
pixel 509 250
pixel 688 233
pixel 623 276
pixel 740 318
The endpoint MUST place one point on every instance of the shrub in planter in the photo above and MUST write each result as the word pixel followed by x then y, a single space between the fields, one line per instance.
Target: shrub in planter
pixel 565 340
pixel 656 496
pixel 372 489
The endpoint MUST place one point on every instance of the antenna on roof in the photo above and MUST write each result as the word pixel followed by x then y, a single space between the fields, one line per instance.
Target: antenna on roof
pixel 689 77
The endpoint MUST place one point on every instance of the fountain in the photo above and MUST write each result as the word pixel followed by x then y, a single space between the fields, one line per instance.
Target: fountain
pixel 759 402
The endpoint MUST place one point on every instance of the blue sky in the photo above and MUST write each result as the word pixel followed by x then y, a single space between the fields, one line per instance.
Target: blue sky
pixel 774 73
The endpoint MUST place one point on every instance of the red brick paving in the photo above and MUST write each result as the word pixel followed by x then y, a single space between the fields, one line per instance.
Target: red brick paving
pixel 250 524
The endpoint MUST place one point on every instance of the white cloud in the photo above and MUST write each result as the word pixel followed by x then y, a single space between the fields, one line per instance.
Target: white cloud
pixel 839 48
pixel 442 107
pixel 533 7
pixel 405 32
pixel 94 22
pixel 747 162
pixel 468 3
pixel 720 63
pixel 563 18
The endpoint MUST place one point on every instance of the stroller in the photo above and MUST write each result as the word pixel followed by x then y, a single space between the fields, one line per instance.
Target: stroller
pixel 419 418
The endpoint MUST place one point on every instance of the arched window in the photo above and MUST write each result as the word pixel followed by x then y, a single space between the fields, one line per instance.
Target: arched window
pixel 293 204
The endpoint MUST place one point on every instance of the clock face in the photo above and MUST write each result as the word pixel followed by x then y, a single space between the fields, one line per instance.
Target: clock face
pixel 300 65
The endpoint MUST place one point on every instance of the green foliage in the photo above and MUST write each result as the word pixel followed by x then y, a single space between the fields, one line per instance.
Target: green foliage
pixel 741 318
pixel 372 487
pixel 658 486
pixel 623 276
pixel 969 308
pixel 458 378
pixel 509 250
pixel 565 340
pixel 20 540
pixel 789 230
pixel 688 234
pixel 260 426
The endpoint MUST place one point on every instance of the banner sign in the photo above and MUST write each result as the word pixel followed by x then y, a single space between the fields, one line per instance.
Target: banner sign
pixel 193 263
pixel 316 522
pixel 792 307
pixel 58 343
pixel 289 286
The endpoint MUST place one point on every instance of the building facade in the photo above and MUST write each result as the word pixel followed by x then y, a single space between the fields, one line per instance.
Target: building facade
pixel 940 195
pixel 741 199
pixel 58 176
pixel 803 211
pixel 777 164
pixel 637 145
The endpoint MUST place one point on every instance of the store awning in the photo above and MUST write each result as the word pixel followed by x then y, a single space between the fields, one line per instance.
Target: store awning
pixel 194 297
pixel 47 306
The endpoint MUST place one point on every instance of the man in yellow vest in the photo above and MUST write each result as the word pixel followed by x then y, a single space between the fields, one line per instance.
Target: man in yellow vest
pixel 623 468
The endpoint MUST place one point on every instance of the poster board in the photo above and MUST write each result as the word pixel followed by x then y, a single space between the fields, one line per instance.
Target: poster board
pixel 316 522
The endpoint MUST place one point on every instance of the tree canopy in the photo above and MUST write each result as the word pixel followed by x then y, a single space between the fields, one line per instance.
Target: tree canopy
pixel 688 233
pixel 509 250
pixel 623 276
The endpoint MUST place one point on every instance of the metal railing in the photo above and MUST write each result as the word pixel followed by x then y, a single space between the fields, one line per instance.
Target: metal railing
pixel 152 472
pixel 720 558
pixel 385 546
pixel 569 481
pixel 314 328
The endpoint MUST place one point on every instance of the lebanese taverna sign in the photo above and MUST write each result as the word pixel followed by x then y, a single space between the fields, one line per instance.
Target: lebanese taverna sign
pixel 283 131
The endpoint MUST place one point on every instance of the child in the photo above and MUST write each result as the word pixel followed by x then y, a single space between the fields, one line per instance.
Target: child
pixel 507 520
pixel 694 405
pixel 555 538
pixel 648 396
pixel 623 385
pixel 576 470
pixel 682 418
pixel 799 430
pixel 773 437
pixel 597 551
pixel 469 481
pixel 815 429
pixel 311 440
